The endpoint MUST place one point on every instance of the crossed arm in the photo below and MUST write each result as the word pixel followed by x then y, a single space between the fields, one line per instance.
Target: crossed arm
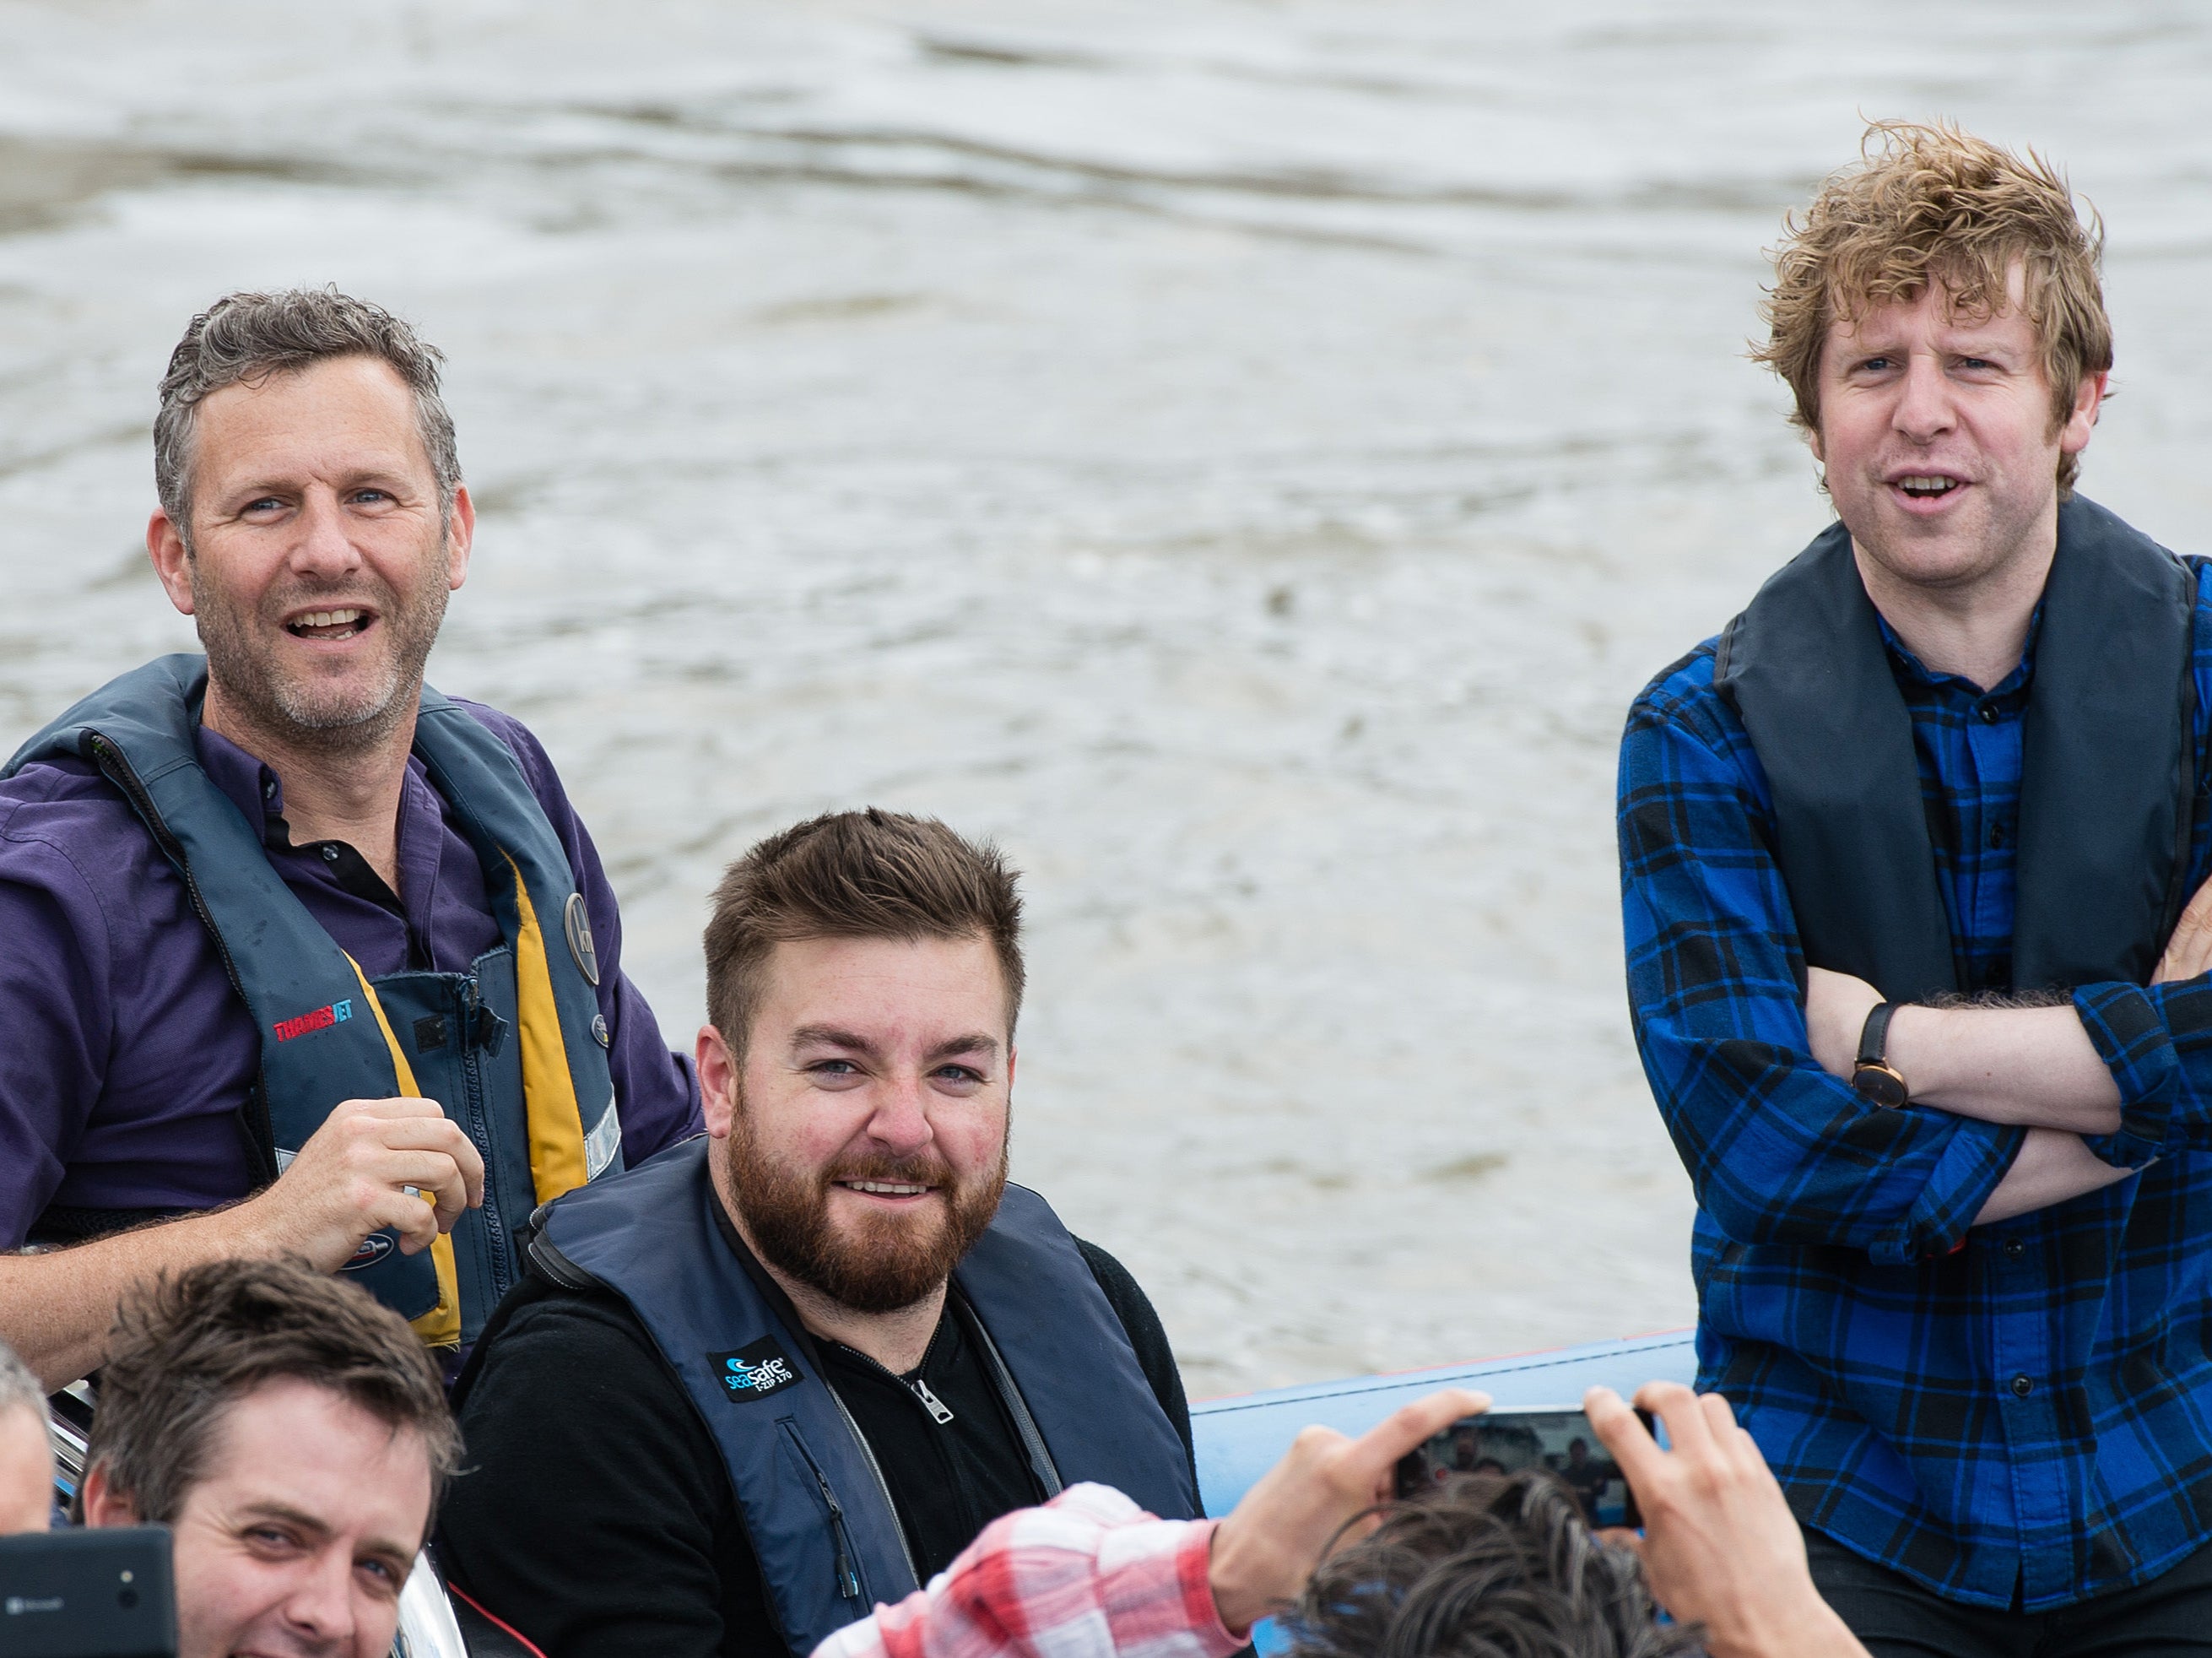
pixel 1749 1072
pixel 2034 1068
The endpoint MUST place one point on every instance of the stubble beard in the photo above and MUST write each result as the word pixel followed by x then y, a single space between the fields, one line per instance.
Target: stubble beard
pixel 330 716
pixel 2005 527
pixel 890 1261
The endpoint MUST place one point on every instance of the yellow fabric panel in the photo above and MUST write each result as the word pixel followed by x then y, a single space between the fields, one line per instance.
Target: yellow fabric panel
pixel 549 1091
pixel 442 1326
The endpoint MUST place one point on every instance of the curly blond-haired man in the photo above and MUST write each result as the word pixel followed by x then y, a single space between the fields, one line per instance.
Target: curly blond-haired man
pixel 1908 855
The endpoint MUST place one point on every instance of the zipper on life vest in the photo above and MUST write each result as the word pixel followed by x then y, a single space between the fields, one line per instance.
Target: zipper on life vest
pixel 848 1581
pixel 846 1575
pixel 479 1132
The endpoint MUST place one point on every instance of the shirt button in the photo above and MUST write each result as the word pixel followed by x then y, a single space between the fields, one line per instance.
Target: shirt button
pixel 269 790
pixel 2021 1387
pixel 1989 713
pixel 330 853
pixel 2014 1248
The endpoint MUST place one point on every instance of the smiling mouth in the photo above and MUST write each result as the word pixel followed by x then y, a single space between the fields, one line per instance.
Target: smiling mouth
pixel 342 624
pixel 1927 486
pixel 887 1188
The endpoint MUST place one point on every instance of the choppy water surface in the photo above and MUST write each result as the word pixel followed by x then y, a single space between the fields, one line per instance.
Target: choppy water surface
pixel 1243 456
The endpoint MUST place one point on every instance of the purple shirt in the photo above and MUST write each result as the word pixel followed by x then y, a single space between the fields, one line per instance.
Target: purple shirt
pixel 127 1053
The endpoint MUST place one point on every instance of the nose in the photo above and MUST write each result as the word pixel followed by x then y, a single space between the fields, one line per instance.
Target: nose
pixel 323 548
pixel 900 1124
pixel 319 1611
pixel 1924 410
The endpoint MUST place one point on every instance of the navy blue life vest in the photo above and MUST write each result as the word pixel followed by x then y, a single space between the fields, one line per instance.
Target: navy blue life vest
pixel 2108 766
pixel 814 1503
pixel 510 1048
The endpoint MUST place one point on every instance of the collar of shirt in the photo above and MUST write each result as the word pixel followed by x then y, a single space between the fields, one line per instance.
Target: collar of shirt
pixel 2009 696
pixel 253 787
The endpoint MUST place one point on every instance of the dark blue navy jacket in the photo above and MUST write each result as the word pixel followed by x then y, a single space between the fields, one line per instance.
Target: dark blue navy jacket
pixel 814 1505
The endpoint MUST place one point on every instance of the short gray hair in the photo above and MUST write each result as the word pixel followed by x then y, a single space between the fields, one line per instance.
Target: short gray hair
pixel 250 337
pixel 18 1386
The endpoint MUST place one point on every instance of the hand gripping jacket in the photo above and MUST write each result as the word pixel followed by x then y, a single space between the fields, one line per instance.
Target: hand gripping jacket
pixel 508 1048
pixel 814 1503
pixel 2108 768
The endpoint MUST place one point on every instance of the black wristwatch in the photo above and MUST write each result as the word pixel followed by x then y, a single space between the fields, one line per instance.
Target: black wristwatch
pixel 1878 1081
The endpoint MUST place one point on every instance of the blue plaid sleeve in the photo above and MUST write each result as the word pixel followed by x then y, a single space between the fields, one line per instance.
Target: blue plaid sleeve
pixel 2157 1040
pixel 1778 1150
pixel 2157 1043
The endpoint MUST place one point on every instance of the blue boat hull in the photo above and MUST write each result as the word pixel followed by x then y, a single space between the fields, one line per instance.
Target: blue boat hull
pixel 1240 1438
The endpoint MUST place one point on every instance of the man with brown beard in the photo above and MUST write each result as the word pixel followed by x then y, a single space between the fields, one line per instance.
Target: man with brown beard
pixel 777 1375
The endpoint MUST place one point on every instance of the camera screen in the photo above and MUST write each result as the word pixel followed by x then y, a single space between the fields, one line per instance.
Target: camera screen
pixel 1506 1442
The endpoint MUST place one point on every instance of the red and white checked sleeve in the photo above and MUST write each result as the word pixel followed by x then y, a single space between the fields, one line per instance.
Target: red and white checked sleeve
pixel 1089 1575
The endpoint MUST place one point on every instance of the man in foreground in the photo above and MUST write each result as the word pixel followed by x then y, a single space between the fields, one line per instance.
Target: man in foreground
pixel 26 1454
pixel 284 910
pixel 292 1434
pixel 782 1373
pixel 1486 1564
pixel 1900 853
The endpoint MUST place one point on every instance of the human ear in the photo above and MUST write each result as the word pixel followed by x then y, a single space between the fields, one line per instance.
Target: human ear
pixel 105 1505
pixel 718 1081
pixel 460 537
pixel 2082 420
pixel 165 545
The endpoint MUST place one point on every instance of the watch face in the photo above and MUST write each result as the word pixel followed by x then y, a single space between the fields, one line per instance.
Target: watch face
pixel 1878 1085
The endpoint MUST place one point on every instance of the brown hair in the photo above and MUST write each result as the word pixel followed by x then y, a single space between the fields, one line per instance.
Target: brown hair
pixel 1486 1565
pixel 856 875
pixel 1935 203
pixel 188 1345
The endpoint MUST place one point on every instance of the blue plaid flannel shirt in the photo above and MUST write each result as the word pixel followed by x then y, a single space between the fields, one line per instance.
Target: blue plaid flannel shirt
pixel 2020 1413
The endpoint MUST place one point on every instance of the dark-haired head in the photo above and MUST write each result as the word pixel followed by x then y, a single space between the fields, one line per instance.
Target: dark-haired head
pixel 870 873
pixel 1485 1567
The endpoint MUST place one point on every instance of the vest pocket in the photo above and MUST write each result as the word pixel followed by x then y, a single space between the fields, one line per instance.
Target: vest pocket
pixel 808 1473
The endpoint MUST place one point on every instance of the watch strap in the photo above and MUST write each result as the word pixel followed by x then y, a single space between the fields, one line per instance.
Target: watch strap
pixel 1873 1036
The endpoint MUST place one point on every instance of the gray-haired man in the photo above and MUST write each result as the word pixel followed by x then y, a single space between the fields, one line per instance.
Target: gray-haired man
pixel 284 910
pixel 26 1457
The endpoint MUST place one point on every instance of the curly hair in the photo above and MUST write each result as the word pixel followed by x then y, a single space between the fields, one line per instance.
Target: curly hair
pixel 188 1345
pixel 1487 1566
pixel 1933 203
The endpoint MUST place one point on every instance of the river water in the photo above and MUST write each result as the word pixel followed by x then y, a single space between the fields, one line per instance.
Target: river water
pixel 1243 456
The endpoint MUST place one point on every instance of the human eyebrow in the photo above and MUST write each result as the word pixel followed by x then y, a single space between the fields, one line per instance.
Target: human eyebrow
pixel 284 1514
pixel 377 477
pixel 244 495
pixel 829 1036
pixel 399 1557
pixel 974 1045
